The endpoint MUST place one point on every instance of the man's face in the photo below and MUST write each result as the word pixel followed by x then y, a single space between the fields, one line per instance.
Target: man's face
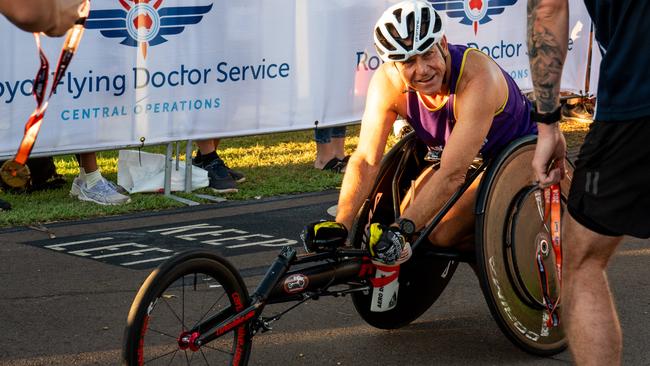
pixel 424 72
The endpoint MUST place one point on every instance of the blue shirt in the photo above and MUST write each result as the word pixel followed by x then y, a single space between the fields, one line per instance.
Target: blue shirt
pixel 623 33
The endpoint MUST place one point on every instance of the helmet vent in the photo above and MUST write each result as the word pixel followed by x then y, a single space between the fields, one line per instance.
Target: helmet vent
pixel 437 24
pixel 396 37
pixel 407 42
pixel 426 44
pixel 425 20
pixel 384 42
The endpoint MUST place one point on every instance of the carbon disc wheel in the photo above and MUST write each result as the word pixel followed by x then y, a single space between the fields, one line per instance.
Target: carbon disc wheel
pixel 510 231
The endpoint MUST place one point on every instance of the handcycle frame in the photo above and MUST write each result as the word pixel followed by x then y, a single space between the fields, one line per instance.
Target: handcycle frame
pixel 340 271
pixel 348 267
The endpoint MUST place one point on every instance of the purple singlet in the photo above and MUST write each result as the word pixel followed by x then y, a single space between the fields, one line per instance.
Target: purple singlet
pixel 433 126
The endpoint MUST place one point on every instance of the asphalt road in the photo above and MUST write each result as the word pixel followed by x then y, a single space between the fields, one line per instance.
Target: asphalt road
pixel 65 293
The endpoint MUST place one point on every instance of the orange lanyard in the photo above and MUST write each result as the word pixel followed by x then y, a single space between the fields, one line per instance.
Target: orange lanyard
pixel 14 172
pixel 556 231
pixel 552 212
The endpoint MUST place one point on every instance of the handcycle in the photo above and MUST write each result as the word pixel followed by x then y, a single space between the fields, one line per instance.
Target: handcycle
pixel 196 306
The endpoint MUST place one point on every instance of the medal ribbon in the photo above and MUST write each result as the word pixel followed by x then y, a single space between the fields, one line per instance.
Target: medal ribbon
pixel 33 125
pixel 552 211
pixel 14 172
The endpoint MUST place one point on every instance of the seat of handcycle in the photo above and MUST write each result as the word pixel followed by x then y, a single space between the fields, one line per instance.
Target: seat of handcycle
pixel 508 230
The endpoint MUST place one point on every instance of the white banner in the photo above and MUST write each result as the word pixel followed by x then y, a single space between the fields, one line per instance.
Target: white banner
pixel 167 70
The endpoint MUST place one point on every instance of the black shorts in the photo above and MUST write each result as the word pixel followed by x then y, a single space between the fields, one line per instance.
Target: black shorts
pixel 610 191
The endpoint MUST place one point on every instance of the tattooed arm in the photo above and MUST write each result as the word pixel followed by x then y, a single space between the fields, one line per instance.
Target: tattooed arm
pixel 548 32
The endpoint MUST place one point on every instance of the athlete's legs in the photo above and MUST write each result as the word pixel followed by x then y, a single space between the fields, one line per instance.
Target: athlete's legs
pixel 456 229
pixel 588 310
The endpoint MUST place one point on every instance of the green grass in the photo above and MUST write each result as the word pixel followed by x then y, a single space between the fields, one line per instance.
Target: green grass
pixel 274 165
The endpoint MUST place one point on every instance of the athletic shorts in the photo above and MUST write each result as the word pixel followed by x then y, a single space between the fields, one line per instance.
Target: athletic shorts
pixel 610 190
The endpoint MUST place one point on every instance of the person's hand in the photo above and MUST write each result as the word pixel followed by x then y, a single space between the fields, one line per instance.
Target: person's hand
pixel 385 243
pixel 549 159
pixel 323 235
pixel 67 13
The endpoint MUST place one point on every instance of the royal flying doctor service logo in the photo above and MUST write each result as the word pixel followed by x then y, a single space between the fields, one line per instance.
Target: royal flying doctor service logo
pixel 144 23
pixel 472 12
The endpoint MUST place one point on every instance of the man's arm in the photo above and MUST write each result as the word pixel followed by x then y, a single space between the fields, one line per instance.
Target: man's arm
pixel 548 32
pixel 53 17
pixel 363 167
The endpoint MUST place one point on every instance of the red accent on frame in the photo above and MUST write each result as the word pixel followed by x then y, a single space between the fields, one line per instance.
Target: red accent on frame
pixel 235 323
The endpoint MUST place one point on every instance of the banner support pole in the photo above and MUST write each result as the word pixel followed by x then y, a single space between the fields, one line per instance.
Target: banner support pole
pixel 168 179
pixel 188 166
pixel 168 170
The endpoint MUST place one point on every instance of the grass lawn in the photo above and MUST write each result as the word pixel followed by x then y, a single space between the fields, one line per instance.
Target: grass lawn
pixel 274 165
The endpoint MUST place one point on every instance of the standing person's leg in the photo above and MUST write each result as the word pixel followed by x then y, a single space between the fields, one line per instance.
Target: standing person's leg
pixel 338 142
pixel 206 147
pixel 324 151
pixel 330 142
pixel 588 309
pixel 238 176
pixel 92 187
pixel 220 180
pixel 607 200
pixel 88 162
pixel 88 169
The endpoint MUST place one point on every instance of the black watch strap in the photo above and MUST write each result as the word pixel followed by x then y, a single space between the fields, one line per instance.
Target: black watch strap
pixel 546 118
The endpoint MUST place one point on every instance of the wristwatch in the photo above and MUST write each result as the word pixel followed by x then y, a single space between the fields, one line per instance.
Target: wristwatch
pixel 406 226
pixel 546 118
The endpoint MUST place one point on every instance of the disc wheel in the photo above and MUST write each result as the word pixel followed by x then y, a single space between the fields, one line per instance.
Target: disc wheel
pixel 510 231
pixel 176 297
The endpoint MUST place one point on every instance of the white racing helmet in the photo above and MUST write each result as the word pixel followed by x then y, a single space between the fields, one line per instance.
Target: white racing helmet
pixel 408 28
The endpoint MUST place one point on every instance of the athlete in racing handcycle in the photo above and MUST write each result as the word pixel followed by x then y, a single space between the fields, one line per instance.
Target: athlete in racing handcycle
pixel 458 101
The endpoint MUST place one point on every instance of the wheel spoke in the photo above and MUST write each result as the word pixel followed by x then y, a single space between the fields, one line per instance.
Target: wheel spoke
pixel 218 350
pixel 172 359
pixel 163 355
pixel 204 358
pixel 183 301
pixel 163 333
pixel 210 309
pixel 174 313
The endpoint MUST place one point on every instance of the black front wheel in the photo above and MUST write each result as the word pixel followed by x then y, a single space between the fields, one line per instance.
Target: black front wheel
pixel 184 291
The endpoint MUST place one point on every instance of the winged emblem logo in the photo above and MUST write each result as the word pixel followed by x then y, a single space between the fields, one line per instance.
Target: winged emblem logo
pixel 472 12
pixel 144 23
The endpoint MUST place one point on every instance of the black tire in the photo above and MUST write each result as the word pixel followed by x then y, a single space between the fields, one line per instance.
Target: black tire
pixel 423 278
pixel 508 230
pixel 187 288
pixel 421 281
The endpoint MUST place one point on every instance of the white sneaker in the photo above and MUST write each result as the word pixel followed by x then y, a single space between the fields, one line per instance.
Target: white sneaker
pixel 76 186
pixel 102 193
pixel 78 182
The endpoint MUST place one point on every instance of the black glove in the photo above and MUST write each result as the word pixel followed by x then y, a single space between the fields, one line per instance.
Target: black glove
pixel 385 243
pixel 321 236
